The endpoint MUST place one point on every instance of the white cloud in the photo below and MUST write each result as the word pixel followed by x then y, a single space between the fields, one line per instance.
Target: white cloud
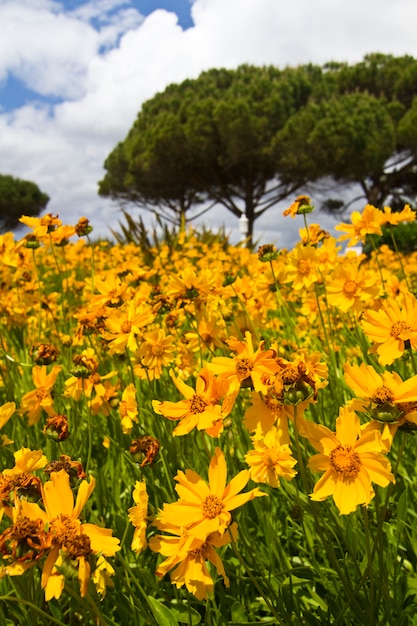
pixel 104 59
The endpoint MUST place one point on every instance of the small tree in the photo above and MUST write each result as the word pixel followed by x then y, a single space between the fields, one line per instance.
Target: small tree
pixel 19 197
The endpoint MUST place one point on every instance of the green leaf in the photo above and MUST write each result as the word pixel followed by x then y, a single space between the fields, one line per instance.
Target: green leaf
pixel 185 614
pixel 161 613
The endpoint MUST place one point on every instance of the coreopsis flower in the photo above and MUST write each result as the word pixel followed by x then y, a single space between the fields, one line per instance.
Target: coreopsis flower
pixel 128 409
pixel 209 334
pixel 299 380
pixel 200 409
pixel 138 515
pixel 264 411
pixel 61 235
pixel 385 397
pixel 301 205
pixel 397 217
pixel 73 542
pixel 146 449
pixel 83 227
pixel 85 381
pixel 102 575
pixel 302 268
pixel 189 285
pixel 33 402
pixel 392 327
pixel 6 411
pixel 41 226
pixel 111 291
pixel 204 508
pixel 271 458
pixel 313 235
pixel 20 479
pixel 366 223
pixel 44 353
pixel 351 461
pixel 156 351
pixel 351 287
pixel 249 367
pixel 125 325
pixel 188 555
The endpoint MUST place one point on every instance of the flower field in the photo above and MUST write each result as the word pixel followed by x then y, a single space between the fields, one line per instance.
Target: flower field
pixel 195 433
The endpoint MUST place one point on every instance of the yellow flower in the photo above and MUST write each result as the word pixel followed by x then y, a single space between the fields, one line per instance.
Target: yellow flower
pixel 302 269
pixel 6 411
pixel 301 205
pixel 200 409
pixel 350 459
pixel 189 555
pixel 385 396
pixel 124 326
pixel 40 398
pixel 101 576
pixel 20 480
pixel 351 287
pixel 249 366
pixel 366 223
pixel 155 352
pixel 128 409
pixel 138 516
pixel 72 540
pixel 393 219
pixel 391 327
pixel 205 508
pixel 41 226
pixel 270 459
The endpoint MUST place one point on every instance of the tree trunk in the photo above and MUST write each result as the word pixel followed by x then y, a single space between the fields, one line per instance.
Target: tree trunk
pixel 250 213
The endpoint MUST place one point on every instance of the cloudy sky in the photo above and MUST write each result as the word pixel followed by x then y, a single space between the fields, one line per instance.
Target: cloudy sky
pixel 74 74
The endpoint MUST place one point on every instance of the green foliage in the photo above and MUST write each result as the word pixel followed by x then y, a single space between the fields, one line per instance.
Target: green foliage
pixel 208 140
pixel 404 239
pixel 251 137
pixel 19 197
pixel 360 126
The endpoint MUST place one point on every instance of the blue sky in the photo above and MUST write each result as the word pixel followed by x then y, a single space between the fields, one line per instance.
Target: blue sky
pixel 74 74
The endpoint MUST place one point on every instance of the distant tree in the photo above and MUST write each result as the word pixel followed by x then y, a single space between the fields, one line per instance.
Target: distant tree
pixel 251 137
pixel 19 197
pixel 359 126
pixel 208 141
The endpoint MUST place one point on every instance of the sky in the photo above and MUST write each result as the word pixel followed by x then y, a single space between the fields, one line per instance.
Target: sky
pixel 75 73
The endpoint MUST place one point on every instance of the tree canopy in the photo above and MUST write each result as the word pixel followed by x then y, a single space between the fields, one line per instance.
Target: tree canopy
pixel 250 137
pixel 19 197
pixel 207 140
pixel 360 126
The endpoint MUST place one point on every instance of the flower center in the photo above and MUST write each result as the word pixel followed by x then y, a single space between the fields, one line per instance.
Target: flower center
pixel 212 507
pixel 41 393
pixel 270 459
pixel 126 327
pixel 400 328
pixel 95 378
pixel 198 553
pixel 349 288
pixel 78 545
pixel 304 266
pixel 290 376
pixel 64 529
pixel 197 404
pixel 157 350
pixel 244 367
pixel 382 395
pixel 273 405
pixel 345 462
